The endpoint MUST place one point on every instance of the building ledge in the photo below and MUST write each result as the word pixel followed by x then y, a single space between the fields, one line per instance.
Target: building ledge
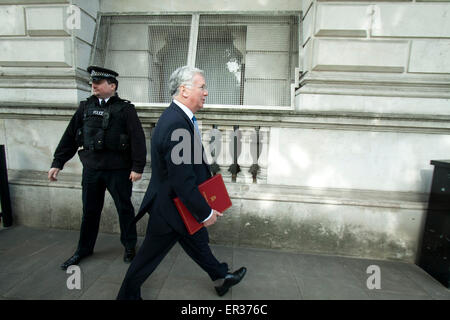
pixel 262 192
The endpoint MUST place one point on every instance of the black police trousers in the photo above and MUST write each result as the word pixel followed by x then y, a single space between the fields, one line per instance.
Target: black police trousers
pixel 94 184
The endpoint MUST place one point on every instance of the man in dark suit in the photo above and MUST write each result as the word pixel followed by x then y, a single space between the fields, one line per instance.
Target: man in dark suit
pixel 178 167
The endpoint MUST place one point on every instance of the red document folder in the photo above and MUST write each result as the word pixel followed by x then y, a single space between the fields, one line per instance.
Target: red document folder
pixel 215 193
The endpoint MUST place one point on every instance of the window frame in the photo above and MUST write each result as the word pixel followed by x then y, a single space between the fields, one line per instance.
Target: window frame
pixel 192 49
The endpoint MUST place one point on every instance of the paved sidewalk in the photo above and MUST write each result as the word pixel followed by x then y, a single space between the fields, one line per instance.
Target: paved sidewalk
pixel 30 260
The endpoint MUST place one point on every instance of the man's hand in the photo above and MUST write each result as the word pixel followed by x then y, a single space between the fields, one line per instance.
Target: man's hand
pixel 134 176
pixel 213 218
pixel 53 173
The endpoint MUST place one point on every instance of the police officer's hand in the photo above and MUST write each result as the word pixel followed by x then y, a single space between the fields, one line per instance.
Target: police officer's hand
pixel 53 173
pixel 134 176
pixel 213 218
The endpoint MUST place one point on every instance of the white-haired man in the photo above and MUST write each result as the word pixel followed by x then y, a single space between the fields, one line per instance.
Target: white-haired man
pixel 172 178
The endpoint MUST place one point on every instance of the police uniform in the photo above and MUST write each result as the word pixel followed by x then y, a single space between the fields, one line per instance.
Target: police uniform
pixel 111 143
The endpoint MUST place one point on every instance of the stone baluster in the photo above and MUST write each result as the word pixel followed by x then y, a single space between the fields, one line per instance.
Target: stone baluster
pixel 245 159
pixel 205 129
pixel 263 155
pixel 224 150
pixel 146 175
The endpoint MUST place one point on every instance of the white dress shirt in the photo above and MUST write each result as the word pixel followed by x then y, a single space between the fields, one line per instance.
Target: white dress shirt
pixel 100 100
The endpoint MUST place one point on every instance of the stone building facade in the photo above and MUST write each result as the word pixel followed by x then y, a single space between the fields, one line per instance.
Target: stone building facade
pixel 340 104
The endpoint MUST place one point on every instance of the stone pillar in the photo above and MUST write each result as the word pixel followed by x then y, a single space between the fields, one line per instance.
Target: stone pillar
pixel 224 157
pixel 148 142
pixel 245 159
pixel 205 129
pixel 264 154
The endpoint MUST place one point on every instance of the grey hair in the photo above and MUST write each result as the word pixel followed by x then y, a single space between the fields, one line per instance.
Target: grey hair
pixel 183 75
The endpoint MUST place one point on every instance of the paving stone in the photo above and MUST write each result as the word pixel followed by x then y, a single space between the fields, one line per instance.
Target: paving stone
pixel 263 261
pixel 258 286
pixel 101 290
pixel 330 288
pixel 392 279
pixel 30 262
pixel 188 289
pixel 320 266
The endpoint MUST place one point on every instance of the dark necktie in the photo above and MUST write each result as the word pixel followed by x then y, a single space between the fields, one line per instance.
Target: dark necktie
pixel 194 120
pixel 103 103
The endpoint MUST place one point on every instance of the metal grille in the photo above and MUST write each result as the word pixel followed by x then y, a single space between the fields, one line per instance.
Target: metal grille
pixel 144 50
pixel 248 60
pixel 170 47
pixel 101 37
pixel 220 53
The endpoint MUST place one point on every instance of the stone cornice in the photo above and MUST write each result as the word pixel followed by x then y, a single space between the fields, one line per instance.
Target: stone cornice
pixel 375 84
pixel 43 73
pixel 261 192
pixel 44 78
pixel 413 123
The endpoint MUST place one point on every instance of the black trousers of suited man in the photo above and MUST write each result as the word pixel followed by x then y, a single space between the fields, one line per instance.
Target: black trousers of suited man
pixel 156 246
pixel 94 184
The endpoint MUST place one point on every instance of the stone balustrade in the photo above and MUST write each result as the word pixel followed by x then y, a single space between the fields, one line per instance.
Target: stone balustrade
pixel 238 153
pixel 235 151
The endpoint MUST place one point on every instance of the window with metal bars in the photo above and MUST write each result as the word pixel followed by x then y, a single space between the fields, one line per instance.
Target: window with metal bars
pixel 248 60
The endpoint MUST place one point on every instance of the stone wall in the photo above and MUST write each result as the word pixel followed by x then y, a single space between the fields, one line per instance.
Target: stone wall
pixel 348 167
pixel 376 57
pixel 376 77
pixel 45 49
pixel 142 6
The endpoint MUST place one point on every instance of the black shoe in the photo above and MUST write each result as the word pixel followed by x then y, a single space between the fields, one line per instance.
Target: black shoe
pixel 129 255
pixel 230 280
pixel 73 260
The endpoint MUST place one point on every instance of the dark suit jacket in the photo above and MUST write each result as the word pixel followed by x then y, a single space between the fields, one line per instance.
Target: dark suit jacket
pixel 170 179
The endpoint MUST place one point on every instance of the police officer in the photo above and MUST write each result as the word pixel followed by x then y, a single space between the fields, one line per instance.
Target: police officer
pixel 111 143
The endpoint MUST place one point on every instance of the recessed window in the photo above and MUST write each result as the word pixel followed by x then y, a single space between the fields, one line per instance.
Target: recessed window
pixel 248 60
